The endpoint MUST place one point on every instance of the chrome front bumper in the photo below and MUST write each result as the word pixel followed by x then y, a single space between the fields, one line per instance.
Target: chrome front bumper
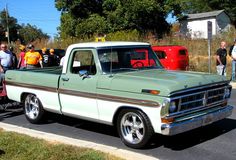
pixel 187 125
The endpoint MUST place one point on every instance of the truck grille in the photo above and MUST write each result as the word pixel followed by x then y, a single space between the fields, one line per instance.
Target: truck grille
pixel 201 99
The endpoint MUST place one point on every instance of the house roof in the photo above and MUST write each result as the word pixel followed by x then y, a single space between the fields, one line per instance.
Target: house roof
pixel 204 15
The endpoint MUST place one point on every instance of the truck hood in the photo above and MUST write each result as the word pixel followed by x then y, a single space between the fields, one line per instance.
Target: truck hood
pixel 163 80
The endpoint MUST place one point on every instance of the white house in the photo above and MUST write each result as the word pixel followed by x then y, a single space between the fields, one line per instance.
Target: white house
pixel 195 25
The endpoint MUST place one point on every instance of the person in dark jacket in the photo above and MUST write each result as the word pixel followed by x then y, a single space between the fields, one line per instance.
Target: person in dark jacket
pixel 221 60
pixel 14 58
pixel 54 60
pixel 45 56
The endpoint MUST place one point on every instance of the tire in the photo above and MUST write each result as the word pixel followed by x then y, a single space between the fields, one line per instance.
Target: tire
pixel 134 128
pixel 33 109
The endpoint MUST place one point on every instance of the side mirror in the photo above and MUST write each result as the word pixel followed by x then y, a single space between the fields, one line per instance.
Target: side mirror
pixel 84 74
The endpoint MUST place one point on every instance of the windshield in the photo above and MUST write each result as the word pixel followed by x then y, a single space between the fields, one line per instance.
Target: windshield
pixel 127 59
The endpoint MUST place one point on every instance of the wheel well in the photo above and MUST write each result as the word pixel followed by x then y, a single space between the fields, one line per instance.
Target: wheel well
pixel 119 110
pixel 23 96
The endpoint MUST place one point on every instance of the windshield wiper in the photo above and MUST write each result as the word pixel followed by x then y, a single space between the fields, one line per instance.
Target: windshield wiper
pixel 151 67
pixel 126 69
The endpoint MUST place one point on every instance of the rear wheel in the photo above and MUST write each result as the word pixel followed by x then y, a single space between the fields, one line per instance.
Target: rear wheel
pixel 134 128
pixel 33 109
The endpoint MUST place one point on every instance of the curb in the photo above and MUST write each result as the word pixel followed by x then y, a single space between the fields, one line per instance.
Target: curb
pixel 125 154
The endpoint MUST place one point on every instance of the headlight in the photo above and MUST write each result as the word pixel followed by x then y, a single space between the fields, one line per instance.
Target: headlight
pixel 227 93
pixel 165 107
pixel 172 107
pixel 169 106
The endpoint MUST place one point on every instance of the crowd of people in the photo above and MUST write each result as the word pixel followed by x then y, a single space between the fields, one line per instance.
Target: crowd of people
pixel 33 59
pixel 28 58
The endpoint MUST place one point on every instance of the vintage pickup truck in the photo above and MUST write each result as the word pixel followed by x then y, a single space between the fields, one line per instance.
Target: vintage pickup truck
pixel 102 82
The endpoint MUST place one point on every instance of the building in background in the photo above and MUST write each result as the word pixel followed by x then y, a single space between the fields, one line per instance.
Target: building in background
pixel 195 25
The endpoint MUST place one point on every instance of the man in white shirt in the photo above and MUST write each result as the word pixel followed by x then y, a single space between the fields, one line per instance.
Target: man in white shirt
pixel 232 53
pixel 6 58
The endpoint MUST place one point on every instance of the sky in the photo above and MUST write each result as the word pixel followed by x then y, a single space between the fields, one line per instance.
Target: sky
pixel 41 13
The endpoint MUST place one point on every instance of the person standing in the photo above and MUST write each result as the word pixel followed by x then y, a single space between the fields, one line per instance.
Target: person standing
pixel 33 58
pixel 5 61
pixel 14 58
pixel 45 57
pixel 232 53
pixel 21 62
pixel 221 55
pixel 54 60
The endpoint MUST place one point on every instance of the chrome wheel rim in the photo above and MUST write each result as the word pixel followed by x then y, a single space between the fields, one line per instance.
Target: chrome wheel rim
pixel 132 128
pixel 32 107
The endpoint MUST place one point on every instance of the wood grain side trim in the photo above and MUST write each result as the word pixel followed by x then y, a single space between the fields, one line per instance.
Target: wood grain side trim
pixel 141 102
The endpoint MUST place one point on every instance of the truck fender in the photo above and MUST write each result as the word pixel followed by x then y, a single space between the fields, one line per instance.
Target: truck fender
pixel 122 108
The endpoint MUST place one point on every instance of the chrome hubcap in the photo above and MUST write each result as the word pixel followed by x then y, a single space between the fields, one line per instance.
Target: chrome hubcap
pixel 132 128
pixel 32 107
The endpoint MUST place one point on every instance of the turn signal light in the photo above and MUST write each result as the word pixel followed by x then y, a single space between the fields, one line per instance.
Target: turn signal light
pixel 154 92
pixel 167 120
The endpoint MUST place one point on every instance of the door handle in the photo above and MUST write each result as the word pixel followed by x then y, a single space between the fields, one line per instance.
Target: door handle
pixel 65 78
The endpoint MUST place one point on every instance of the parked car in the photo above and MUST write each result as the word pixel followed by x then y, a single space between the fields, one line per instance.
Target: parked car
pixel 172 57
pixel 110 83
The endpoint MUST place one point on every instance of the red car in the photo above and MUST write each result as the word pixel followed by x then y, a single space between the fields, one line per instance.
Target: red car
pixel 172 57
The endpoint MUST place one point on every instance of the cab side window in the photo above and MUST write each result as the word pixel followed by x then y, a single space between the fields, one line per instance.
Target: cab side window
pixel 182 52
pixel 161 54
pixel 83 60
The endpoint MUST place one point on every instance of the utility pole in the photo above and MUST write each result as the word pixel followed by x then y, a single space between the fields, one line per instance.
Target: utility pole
pixel 8 33
pixel 209 37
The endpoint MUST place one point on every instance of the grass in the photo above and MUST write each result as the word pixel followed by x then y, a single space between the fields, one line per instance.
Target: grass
pixel 14 146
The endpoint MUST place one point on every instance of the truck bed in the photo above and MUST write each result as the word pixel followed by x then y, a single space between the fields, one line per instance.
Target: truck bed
pixel 47 77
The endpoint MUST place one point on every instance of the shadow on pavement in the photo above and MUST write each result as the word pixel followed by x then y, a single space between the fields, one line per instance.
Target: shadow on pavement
pixel 194 137
pixel 9 114
pixel 177 142
pixel 81 124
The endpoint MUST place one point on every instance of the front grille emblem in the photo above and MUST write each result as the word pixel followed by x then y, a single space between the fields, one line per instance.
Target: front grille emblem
pixel 204 100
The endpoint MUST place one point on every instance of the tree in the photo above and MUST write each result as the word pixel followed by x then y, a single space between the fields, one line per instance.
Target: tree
pixel 11 23
pixel 197 6
pixel 28 33
pixel 25 33
pixel 88 17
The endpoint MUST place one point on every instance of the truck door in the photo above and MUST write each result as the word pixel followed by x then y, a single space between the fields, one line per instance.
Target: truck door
pixel 77 88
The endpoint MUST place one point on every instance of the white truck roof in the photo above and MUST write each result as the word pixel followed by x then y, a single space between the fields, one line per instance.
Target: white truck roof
pixel 105 44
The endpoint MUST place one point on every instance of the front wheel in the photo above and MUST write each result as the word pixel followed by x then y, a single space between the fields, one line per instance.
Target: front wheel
pixel 33 109
pixel 134 128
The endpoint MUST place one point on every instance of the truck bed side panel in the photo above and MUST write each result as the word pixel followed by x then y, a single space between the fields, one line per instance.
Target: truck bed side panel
pixel 44 85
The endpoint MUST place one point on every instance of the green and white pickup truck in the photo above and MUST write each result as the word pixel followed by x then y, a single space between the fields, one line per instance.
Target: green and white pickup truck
pixel 104 82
